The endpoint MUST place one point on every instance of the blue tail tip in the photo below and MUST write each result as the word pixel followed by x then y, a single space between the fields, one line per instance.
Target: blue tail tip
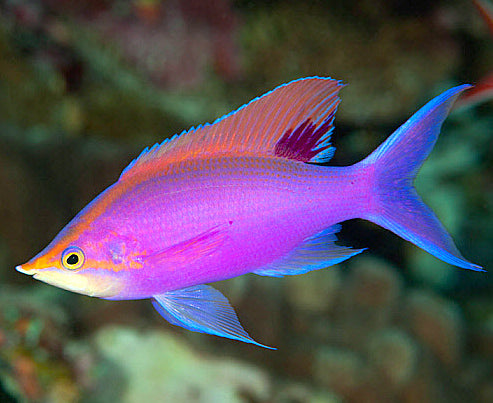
pixel 476 267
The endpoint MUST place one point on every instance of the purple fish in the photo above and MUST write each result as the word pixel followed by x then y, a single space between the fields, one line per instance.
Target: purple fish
pixel 244 195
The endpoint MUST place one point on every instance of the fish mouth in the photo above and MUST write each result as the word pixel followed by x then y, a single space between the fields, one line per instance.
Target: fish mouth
pixel 24 271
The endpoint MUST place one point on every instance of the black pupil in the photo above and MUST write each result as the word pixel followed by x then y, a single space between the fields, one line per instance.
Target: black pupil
pixel 72 259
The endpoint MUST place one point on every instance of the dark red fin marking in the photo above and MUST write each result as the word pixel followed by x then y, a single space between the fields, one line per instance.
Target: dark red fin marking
pixel 307 142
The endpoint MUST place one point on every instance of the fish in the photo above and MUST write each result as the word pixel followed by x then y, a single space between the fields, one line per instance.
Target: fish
pixel 249 193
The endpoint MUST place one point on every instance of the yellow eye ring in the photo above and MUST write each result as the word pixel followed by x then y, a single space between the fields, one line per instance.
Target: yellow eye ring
pixel 72 258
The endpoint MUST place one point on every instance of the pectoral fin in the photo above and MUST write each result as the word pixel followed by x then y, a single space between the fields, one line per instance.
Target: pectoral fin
pixel 202 309
pixel 188 251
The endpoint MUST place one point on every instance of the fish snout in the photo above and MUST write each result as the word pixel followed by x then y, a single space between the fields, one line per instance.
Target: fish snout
pixel 26 269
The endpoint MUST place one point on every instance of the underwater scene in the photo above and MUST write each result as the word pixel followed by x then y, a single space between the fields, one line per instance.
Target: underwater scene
pixel 85 87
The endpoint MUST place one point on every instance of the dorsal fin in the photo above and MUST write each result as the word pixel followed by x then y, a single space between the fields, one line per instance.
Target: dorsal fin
pixel 292 121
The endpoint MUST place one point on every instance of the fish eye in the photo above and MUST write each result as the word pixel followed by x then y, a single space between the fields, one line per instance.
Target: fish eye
pixel 72 258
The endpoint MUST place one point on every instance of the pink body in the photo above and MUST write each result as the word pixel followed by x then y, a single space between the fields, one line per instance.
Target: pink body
pixel 269 205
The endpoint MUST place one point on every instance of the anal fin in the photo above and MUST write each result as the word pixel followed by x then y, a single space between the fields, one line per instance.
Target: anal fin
pixel 314 253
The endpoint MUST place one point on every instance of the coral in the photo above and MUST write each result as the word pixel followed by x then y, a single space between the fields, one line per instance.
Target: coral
pixel 33 333
pixel 40 363
pixel 159 366
pixel 394 354
pixel 58 75
pixel 299 393
pixel 370 293
pixel 382 341
pixel 437 324
pixel 339 370
pixel 316 293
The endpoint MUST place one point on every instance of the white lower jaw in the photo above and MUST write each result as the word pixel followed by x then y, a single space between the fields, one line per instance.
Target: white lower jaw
pixel 77 284
pixel 57 281
pixel 21 270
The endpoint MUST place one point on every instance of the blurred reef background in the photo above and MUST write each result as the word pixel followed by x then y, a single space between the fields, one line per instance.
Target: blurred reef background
pixel 85 86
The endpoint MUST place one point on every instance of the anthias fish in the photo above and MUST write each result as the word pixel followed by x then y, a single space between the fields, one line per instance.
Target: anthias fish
pixel 246 194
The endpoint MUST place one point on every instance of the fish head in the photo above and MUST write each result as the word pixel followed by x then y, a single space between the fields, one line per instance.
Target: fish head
pixel 86 261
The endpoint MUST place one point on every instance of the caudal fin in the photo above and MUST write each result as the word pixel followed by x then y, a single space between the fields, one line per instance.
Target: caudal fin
pixel 395 163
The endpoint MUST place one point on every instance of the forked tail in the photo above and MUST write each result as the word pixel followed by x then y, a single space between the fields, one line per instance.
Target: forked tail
pixel 395 205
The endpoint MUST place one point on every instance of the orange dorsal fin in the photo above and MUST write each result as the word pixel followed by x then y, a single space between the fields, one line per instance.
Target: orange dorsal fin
pixel 293 121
